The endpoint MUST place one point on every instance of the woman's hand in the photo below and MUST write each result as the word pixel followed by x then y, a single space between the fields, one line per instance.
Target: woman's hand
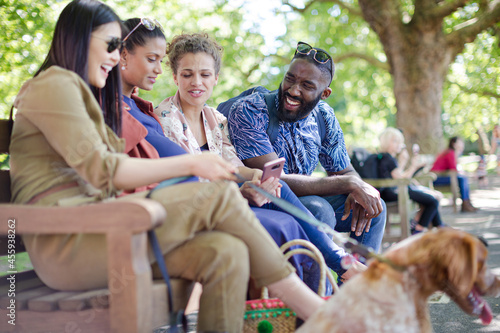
pixel 254 176
pixel 254 198
pixel 271 185
pixel 416 163
pixel 212 167
pixel 403 158
pixel 135 172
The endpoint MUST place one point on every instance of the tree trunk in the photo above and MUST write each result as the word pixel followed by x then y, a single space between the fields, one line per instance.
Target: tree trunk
pixel 419 54
pixel 418 84
pixel 418 58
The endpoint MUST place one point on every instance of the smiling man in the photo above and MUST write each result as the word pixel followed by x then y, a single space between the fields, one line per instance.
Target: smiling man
pixel 341 199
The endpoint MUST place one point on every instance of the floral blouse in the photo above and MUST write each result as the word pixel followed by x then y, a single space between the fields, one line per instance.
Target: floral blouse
pixel 175 127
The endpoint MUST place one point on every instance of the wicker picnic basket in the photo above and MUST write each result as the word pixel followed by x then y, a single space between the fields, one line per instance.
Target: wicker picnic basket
pixel 272 315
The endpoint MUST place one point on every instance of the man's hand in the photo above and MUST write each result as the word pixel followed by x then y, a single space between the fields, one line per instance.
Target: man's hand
pixel 359 222
pixel 365 204
pixel 368 197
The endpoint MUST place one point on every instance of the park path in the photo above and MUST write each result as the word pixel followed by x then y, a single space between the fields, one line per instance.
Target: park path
pixel 447 317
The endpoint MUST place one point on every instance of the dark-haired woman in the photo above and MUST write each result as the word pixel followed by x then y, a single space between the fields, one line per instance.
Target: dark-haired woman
pixel 447 160
pixel 65 151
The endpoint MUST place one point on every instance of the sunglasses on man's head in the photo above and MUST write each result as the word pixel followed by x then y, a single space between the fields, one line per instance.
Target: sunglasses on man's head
pixel 113 44
pixel 320 56
pixel 148 23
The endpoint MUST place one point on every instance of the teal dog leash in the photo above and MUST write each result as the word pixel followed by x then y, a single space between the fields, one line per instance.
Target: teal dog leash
pixel 351 245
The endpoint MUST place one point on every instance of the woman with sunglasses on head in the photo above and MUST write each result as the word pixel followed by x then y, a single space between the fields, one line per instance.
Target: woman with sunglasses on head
pixel 140 64
pixel 65 151
pixel 195 61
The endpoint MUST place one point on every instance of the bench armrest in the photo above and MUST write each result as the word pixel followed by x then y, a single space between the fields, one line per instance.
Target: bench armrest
pixel 134 215
pixel 124 222
pixel 387 182
pixel 447 173
pixel 403 199
pixel 426 177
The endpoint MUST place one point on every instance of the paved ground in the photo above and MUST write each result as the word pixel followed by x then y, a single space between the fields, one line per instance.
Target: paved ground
pixel 446 316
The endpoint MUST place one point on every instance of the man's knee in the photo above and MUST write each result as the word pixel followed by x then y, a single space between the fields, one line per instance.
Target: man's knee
pixel 320 208
pixel 381 218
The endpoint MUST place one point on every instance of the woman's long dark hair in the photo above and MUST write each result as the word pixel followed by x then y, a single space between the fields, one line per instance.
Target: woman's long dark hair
pixel 70 50
pixel 451 143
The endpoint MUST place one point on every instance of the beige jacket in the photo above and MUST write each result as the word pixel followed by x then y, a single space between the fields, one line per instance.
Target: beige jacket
pixel 60 137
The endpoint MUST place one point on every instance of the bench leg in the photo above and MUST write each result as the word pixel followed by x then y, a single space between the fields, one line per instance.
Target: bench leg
pixel 130 283
pixel 404 210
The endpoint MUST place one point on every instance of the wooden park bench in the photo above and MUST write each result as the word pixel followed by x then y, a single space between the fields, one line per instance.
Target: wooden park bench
pixel 133 301
pixel 451 188
pixel 403 207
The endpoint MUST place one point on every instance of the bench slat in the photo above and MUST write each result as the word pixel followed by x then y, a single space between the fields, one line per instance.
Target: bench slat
pixel 49 302
pixel 4 136
pixel 86 321
pixel 82 300
pixel 29 320
pixel 22 298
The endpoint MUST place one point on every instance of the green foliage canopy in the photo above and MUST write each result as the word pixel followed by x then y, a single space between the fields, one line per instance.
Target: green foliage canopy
pixel 26 32
pixel 362 88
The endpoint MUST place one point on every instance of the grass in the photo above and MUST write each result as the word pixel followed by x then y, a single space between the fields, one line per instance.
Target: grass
pixel 4 162
pixel 22 263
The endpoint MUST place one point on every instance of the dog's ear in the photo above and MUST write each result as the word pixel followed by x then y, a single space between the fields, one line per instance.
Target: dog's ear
pixel 466 255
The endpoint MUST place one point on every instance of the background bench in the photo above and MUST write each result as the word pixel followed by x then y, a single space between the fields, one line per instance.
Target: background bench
pixel 452 188
pixel 404 207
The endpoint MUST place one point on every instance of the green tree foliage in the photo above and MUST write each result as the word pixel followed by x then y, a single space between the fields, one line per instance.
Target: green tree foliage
pixel 24 41
pixel 363 75
pixel 472 94
pixel 221 20
pixel 362 91
pixel 362 95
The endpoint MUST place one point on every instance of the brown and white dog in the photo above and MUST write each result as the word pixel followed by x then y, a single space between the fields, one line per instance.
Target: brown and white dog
pixel 393 297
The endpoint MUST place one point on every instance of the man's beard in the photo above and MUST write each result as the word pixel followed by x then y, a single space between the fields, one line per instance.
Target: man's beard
pixel 302 112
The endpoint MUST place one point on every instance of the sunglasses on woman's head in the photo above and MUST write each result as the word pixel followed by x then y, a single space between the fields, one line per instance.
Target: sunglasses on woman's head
pixel 320 56
pixel 148 23
pixel 113 44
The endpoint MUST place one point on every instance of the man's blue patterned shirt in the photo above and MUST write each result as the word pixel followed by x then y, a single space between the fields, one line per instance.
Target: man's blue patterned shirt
pixel 298 142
